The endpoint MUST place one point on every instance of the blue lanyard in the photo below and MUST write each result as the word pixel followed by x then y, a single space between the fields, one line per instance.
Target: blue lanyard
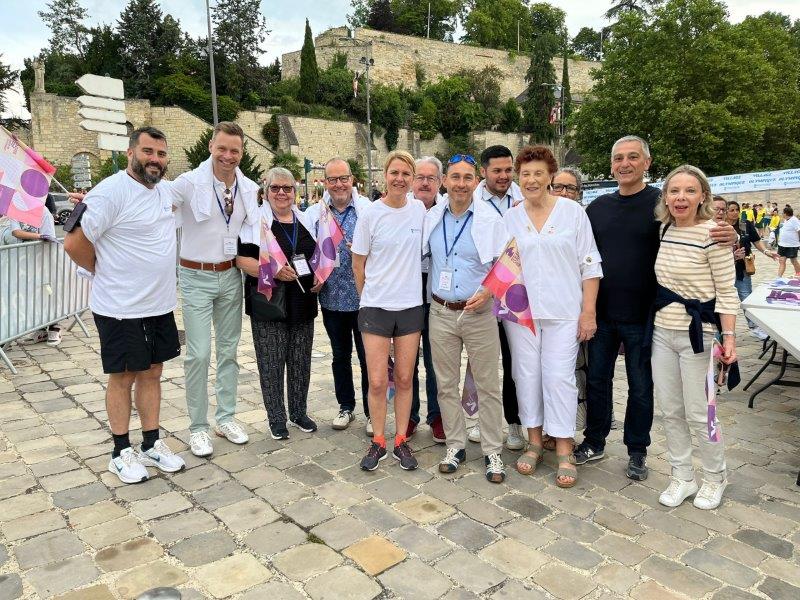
pixel 458 235
pixel 293 238
pixel 494 206
pixel 219 204
pixel 343 219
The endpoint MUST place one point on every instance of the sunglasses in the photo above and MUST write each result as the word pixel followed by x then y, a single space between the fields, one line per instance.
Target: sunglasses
pixel 457 158
pixel 286 189
pixel 228 196
pixel 558 187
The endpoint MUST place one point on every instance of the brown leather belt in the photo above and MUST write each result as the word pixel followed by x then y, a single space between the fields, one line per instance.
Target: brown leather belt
pixel 217 267
pixel 450 305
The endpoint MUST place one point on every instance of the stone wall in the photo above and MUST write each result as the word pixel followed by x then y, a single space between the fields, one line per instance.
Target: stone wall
pixel 397 58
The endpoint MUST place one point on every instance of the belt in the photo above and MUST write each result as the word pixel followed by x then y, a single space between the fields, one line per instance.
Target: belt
pixel 451 305
pixel 200 266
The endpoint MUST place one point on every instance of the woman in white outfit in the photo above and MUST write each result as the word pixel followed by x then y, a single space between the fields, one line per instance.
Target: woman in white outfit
pixel 561 270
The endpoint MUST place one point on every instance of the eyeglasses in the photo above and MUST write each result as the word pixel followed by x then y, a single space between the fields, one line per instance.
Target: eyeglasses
pixel 286 189
pixel 457 158
pixel 228 197
pixel 340 179
pixel 426 178
pixel 559 187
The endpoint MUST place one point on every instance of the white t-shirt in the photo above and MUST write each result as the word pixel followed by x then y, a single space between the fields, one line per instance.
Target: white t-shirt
pixel 48 226
pixel 133 232
pixel 391 239
pixel 790 233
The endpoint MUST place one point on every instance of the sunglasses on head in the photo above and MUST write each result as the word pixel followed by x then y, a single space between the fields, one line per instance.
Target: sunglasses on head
pixel 228 196
pixel 457 158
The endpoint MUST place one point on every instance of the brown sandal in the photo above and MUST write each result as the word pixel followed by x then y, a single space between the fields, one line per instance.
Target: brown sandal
pixel 570 471
pixel 532 460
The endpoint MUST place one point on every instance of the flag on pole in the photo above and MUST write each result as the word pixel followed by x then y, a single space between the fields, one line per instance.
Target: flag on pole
pixel 271 259
pixel 714 434
pixel 469 395
pixel 505 282
pixel 24 180
pixel 329 236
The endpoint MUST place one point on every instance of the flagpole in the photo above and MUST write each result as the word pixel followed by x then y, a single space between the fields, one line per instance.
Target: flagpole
pixel 458 320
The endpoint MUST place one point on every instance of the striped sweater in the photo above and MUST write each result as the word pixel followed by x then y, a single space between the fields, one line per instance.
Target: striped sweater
pixel 692 265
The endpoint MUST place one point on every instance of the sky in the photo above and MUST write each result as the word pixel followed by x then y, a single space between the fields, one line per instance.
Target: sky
pixel 25 34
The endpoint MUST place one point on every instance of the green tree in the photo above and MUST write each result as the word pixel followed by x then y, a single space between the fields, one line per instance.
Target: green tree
pixel 65 18
pixel 309 73
pixel 409 17
pixel 586 44
pixel 425 119
pixel 389 112
pixel 7 79
pixel 182 90
pixel 381 16
pixel 456 112
pixel 107 168
pixel 289 161
pixel 198 152
pixel 357 170
pixel 103 52
pixel 510 117
pixel 620 7
pixel 493 24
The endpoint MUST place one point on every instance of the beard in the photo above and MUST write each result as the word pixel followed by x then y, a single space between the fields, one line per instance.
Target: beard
pixel 140 169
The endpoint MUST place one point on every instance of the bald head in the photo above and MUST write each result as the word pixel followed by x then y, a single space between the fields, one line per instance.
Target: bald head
pixel 338 181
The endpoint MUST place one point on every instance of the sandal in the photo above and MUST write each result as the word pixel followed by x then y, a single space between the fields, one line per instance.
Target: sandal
pixel 570 471
pixel 532 459
pixel 548 443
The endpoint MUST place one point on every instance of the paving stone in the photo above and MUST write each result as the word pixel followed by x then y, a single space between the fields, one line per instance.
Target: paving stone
pixel 340 494
pixel 775 589
pixel 341 531
pixel 182 526
pixel 736 551
pixel 155 486
pixel 273 589
pixel 616 522
pixel 308 512
pixel 94 514
pixel 650 590
pixel 788 571
pixel 60 577
pixel 152 575
pixel 418 541
pixel 54 466
pixel 31 525
pixel 283 459
pixel 573 554
pixel 752 517
pixel 237 461
pixel 458 593
pixel 514 590
pixel 563 583
pixel 3 555
pixel 617 578
pixel 574 528
pixel 446 491
pixel 375 554
pixel 706 518
pixel 391 490
pixel 232 575
pixel 246 514
pixel 203 548
pixel 10 586
pixel 24 505
pixel 127 555
pixel 528 533
pixel 81 496
pixel 16 485
pixel 621 550
pixel 222 494
pixel 478 484
pixel 47 548
pixel 303 562
pixel 283 493
pixel 342 582
pixel 378 516
pixel 525 506
pixel 111 532
pixel 766 542
pixel 485 512
pixel 425 509
pixel 720 567
pixel 275 537
pixel 663 543
pixel 566 501
pixel 678 577
pixel 259 476
pixel 95 592
pixel 160 506
pixel 309 474
pixel 414 579
pixel 729 593
pixel 467 533
pixel 200 477
pixel 674 526
pixel 470 571
pixel 514 558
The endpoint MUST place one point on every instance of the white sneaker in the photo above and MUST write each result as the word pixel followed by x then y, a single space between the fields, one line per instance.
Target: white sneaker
pixel 200 443
pixel 710 494
pixel 40 335
pixel 514 440
pixel 162 458
pixel 127 467
pixel 232 431
pixel 343 419
pixel 53 337
pixel 370 431
pixel 474 434
pixel 677 492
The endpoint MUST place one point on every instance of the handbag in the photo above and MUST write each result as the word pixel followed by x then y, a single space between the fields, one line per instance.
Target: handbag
pixel 272 309
pixel 750 264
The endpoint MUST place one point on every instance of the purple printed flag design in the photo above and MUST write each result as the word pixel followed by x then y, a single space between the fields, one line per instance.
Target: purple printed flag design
pixel 329 236
pixel 505 282
pixel 271 259
pixel 469 395
pixel 24 180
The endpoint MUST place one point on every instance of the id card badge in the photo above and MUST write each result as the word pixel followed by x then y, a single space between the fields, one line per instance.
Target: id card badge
pixel 301 265
pixel 229 246
pixel 338 262
pixel 445 280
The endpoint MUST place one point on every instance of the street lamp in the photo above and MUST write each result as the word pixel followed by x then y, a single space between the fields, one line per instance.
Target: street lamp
pixel 558 91
pixel 211 68
pixel 368 62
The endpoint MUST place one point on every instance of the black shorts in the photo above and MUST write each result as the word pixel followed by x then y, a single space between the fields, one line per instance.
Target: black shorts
pixel 136 344
pixel 787 252
pixel 391 323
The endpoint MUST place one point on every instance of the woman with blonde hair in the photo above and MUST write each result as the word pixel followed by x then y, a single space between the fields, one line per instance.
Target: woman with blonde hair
pixel 387 262
pixel 695 301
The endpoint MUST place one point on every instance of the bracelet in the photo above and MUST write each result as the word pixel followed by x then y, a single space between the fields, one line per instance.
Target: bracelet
pixel 730 333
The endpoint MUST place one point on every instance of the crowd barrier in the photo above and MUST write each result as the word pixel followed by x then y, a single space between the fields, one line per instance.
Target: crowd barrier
pixel 39 286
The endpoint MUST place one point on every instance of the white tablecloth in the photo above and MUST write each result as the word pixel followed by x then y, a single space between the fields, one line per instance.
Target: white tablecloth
pixel 781 322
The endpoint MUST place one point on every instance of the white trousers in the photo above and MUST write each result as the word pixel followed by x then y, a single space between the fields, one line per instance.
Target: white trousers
pixel 543 367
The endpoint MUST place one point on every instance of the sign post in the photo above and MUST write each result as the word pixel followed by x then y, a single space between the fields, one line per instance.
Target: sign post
pixel 103 111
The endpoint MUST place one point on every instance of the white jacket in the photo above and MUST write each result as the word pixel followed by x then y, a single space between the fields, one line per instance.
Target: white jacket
pixel 251 234
pixel 310 218
pixel 488 229
pixel 514 190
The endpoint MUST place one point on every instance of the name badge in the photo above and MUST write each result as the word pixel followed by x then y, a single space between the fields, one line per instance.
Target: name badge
pixel 337 263
pixel 445 280
pixel 301 265
pixel 229 246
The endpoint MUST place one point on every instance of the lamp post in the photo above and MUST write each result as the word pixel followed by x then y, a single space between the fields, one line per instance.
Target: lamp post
pixel 368 62
pixel 211 68
pixel 559 123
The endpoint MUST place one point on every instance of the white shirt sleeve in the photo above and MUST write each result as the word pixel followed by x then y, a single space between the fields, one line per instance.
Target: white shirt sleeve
pixel 182 190
pixel 48 227
pixel 362 236
pixel 588 255
pixel 101 211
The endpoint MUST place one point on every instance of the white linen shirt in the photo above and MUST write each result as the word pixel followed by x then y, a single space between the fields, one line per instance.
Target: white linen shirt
pixel 556 260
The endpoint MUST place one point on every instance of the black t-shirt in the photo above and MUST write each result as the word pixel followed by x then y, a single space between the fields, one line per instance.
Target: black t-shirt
pixel 626 232
pixel 300 307
pixel 746 239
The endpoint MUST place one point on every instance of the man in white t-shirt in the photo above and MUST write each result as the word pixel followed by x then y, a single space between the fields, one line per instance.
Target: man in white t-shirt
pixel 125 235
pixel 789 242
pixel 211 203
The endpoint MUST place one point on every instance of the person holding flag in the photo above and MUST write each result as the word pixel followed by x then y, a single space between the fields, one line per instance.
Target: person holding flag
pixel 275 256
pixel 463 237
pixel 334 219
pixel 560 268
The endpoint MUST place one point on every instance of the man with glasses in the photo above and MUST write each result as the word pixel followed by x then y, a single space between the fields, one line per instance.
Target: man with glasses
pixel 211 203
pixel 338 296
pixel 464 236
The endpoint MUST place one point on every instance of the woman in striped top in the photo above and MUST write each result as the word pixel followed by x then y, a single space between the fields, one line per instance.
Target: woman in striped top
pixel 696 297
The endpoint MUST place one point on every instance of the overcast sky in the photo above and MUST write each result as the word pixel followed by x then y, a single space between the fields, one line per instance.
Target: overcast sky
pixel 25 34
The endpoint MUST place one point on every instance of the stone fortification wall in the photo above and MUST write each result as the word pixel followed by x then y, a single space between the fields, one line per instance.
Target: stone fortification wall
pixel 397 58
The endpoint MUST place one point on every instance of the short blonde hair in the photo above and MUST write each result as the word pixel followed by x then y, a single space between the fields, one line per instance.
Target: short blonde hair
pixel 706 209
pixel 400 155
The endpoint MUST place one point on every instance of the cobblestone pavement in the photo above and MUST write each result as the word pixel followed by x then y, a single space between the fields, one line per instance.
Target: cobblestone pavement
pixel 298 519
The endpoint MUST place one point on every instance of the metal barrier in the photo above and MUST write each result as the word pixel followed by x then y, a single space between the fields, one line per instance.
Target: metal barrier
pixel 39 286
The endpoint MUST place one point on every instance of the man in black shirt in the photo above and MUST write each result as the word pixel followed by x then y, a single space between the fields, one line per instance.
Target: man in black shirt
pixel 627 237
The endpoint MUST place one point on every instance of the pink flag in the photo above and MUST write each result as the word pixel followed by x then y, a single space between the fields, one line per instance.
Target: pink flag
pixel 24 180
pixel 469 395
pixel 714 434
pixel 271 259
pixel 329 236
pixel 505 282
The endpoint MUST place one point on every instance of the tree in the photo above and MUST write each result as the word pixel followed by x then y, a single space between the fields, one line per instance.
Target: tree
pixel 586 44
pixel 510 117
pixel 389 111
pixel 493 24
pixel 7 79
pixel 357 170
pixel 309 73
pixel 638 6
pixel 381 16
pixel 198 152
pixel 103 52
pixel 107 168
pixel 65 20
pixel 289 161
pixel 409 17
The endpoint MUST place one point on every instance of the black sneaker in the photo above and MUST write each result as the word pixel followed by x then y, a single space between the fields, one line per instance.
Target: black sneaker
pixel 584 453
pixel 279 432
pixel 303 423
pixel 637 467
pixel 375 454
pixel 403 454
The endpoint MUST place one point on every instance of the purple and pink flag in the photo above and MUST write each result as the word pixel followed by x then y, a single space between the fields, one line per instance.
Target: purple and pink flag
pixel 24 180
pixel 271 259
pixel 505 282
pixel 714 434
pixel 329 236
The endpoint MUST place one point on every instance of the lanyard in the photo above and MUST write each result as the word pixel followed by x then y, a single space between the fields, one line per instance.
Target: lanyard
pixel 458 235
pixel 340 222
pixel 293 238
pixel 494 206
pixel 219 204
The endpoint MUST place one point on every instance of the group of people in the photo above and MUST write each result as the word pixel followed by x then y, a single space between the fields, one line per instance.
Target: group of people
pixel 629 270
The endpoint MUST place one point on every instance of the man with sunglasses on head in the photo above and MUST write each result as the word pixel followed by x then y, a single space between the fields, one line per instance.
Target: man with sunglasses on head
pixel 211 204
pixel 338 296
pixel 464 236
